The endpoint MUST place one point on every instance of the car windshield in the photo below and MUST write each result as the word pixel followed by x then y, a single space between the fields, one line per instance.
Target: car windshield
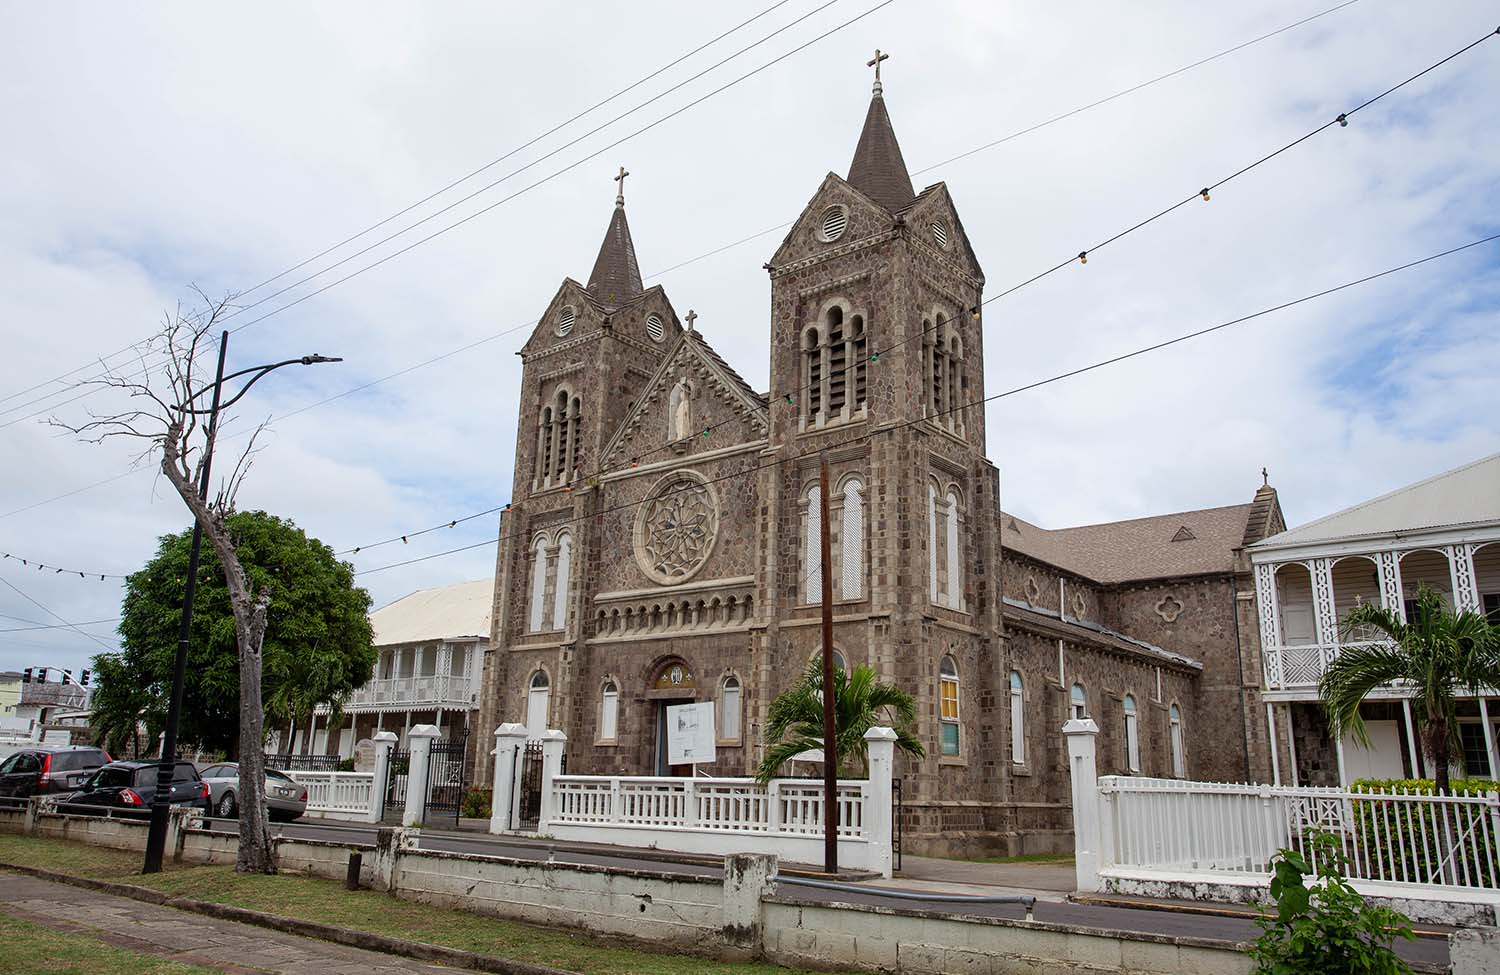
pixel 280 776
pixel 9 764
pixel 184 772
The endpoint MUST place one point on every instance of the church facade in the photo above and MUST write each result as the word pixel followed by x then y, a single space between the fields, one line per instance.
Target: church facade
pixel 662 545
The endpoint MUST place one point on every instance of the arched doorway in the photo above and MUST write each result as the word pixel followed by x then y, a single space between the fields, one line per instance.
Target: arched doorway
pixel 672 682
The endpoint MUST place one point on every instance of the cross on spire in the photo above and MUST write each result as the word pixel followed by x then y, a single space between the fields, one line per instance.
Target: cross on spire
pixel 620 193
pixel 875 63
pixel 1265 477
pixel 692 317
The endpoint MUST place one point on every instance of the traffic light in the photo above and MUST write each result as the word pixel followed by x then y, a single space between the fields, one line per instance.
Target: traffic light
pixel 41 675
pixel 67 677
pixel 26 676
pixel 83 679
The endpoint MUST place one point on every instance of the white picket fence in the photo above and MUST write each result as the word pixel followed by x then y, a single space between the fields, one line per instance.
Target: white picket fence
pixel 1394 837
pixel 339 795
pixel 731 805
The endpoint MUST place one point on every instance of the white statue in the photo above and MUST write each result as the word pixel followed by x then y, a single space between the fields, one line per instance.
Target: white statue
pixel 680 419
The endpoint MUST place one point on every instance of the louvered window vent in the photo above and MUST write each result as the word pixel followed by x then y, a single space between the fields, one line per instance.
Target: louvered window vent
pixel 835 219
pixel 565 321
pixel 940 234
pixel 655 327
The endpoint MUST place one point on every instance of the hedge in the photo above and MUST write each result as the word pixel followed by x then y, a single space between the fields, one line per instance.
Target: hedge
pixel 1420 838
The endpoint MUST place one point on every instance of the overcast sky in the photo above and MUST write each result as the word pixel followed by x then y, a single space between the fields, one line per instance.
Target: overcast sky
pixel 151 148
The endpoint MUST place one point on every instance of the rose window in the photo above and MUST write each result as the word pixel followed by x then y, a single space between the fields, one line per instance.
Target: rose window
pixel 676 528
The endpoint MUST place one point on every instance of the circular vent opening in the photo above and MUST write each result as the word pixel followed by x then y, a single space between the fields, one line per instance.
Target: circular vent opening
pixel 565 320
pixel 655 327
pixel 835 219
pixel 940 234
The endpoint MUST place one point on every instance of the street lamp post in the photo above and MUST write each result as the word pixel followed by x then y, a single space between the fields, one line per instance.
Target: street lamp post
pixel 156 838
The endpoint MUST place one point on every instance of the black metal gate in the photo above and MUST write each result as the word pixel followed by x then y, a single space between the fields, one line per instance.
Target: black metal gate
pixel 528 786
pixel 898 814
pixel 395 784
pixel 446 778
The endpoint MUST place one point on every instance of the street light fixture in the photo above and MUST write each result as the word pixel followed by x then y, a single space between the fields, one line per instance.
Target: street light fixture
pixel 156 838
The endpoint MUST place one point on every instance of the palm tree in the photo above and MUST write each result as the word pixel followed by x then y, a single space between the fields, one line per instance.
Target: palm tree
pixel 860 702
pixel 1435 655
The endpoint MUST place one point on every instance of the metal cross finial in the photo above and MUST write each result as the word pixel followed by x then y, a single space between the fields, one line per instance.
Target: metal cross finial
pixel 620 194
pixel 692 317
pixel 1265 477
pixel 875 63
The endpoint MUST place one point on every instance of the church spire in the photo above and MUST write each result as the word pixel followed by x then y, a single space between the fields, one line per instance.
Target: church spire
pixel 878 170
pixel 616 277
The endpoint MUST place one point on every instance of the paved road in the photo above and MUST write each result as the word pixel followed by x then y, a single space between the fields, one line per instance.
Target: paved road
pixel 1050 904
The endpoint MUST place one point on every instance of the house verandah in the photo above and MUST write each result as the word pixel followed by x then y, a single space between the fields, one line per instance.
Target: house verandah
pixel 1442 534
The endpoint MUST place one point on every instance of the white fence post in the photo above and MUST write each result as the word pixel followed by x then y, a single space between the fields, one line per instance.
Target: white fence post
pixel 553 742
pixel 420 741
pixel 1087 828
pixel 880 744
pixel 385 743
pixel 510 738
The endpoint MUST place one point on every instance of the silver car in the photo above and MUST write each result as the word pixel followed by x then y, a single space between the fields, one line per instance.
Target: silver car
pixel 286 799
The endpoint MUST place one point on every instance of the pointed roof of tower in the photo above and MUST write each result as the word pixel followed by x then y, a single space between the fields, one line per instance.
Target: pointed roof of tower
pixel 616 277
pixel 878 170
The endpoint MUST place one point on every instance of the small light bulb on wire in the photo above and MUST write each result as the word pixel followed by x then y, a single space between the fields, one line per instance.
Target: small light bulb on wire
pixel 1083 257
pixel 1204 193
pixel 1343 121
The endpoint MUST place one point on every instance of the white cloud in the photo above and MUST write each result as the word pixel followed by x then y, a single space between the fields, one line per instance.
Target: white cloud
pixel 158 147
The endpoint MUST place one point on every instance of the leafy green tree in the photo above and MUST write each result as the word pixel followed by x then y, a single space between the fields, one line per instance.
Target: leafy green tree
pixel 317 646
pixel 1325 926
pixel 860 702
pixel 1438 655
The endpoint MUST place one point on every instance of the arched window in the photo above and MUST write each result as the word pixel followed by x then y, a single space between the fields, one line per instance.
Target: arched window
pixel 837 358
pixel 852 541
pixel 834 354
pixel 838 662
pixel 858 354
pixel 1078 704
pixel 812 355
pixel 1017 719
pixel 955 587
pixel 937 397
pixel 729 709
pixel 609 712
pixel 948 704
pixel 1132 736
pixel 543 446
pixel 539 560
pixel 562 580
pixel 933 560
pixel 538 699
pixel 813 545
pixel 1179 762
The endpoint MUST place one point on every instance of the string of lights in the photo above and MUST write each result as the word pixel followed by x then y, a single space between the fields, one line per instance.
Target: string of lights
pixel 873 357
pixel 971 404
pixel 436 193
pixel 43 567
pixel 495 204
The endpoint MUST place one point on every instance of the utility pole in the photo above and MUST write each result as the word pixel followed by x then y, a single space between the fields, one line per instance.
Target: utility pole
pixel 830 748
pixel 161 803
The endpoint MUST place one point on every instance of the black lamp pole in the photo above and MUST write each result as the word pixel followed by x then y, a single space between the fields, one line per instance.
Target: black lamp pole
pixel 156 838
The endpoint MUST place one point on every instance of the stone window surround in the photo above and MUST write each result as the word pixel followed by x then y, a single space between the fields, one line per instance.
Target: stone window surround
pixel 719 738
pixel 544 552
pixel 836 531
pixel 945 501
pixel 945 679
pixel 609 680
pixel 819 353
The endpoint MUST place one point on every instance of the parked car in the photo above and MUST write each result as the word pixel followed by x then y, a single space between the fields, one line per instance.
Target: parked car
pixel 286 798
pixel 46 770
pixel 132 786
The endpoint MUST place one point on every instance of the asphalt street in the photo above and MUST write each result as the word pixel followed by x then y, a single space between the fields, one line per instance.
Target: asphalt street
pixel 1049 907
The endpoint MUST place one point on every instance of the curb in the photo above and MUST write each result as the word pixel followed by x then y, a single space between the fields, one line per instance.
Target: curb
pixel 1092 900
pixel 419 950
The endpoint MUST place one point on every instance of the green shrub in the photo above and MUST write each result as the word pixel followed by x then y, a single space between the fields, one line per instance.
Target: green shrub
pixel 476 804
pixel 346 765
pixel 1421 842
pixel 1326 926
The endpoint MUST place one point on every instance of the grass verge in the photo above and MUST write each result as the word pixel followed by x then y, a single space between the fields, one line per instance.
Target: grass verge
pixel 30 948
pixel 326 902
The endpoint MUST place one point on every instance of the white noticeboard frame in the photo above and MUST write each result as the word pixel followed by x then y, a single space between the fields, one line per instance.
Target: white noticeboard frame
pixel 690 733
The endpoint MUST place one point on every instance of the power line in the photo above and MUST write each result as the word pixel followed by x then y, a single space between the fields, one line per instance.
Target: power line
pixel 14 588
pixel 56 626
pixel 483 189
pixel 1058 377
pixel 438 192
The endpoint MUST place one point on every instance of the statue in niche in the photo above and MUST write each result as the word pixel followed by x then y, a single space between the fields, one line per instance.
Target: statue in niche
pixel 680 411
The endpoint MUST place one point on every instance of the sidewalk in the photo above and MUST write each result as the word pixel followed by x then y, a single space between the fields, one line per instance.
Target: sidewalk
pixel 191 939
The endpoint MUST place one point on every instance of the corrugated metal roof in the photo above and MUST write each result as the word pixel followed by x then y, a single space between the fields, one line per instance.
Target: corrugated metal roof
pixel 444 613
pixel 1463 496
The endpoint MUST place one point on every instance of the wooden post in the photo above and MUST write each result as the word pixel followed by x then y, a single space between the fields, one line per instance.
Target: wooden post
pixel 830 748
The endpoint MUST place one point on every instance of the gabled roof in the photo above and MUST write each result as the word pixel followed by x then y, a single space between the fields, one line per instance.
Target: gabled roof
pixel 878 169
pixel 616 277
pixel 445 613
pixel 1141 548
pixel 1466 495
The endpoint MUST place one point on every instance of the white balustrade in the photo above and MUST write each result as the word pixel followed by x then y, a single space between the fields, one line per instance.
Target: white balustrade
pixel 338 795
pixel 1302 665
pixel 434 689
pixel 1387 837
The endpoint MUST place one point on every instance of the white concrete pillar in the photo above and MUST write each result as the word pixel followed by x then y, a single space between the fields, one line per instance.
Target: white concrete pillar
pixel 880 745
pixel 1489 737
pixel 385 743
pixel 553 743
pixel 419 740
pixel 1338 744
pixel 748 878
pixel 510 738
pixel 1082 735
pixel 1275 745
pixel 1411 739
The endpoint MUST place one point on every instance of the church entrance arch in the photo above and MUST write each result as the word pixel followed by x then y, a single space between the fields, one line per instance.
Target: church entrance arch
pixel 673 682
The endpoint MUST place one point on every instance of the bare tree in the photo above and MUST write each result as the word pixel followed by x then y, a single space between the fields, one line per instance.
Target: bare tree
pixel 163 391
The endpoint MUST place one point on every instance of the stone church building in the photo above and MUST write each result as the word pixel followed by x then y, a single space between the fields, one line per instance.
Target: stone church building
pixel 662 544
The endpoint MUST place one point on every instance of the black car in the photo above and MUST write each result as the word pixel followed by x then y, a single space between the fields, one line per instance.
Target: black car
pixel 130 786
pixel 43 771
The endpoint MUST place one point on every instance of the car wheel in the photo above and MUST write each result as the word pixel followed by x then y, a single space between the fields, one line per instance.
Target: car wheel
pixel 227 808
